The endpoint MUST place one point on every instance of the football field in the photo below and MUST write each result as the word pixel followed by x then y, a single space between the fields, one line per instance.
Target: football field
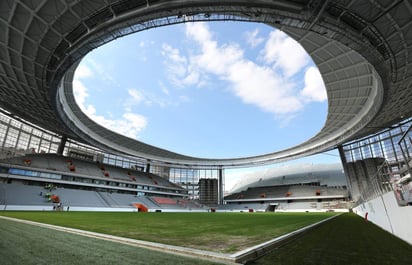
pixel 218 232
pixel 346 239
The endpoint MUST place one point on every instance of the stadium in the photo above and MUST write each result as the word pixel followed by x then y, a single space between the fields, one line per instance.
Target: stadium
pixel 58 166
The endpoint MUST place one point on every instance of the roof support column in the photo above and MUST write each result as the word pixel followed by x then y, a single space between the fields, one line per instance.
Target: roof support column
pixel 345 169
pixel 62 144
pixel 221 186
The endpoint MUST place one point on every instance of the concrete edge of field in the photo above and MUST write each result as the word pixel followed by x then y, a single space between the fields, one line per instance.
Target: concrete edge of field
pixel 240 257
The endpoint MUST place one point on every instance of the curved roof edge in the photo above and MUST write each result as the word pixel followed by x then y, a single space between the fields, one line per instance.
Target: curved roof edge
pixel 361 48
pixel 334 132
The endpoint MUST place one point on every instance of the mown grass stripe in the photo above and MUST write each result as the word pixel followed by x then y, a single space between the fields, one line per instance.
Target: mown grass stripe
pixel 217 232
pixel 32 245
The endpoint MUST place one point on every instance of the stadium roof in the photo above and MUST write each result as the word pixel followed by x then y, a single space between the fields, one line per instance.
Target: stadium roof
pixel 362 49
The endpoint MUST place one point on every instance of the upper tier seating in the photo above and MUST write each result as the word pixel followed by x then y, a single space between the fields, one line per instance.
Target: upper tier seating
pixel 293 191
pixel 73 166
pixel 260 192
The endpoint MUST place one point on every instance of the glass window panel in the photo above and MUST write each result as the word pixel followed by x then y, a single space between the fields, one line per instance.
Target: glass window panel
pixel 11 138
pixel 366 151
pixel 34 144
pixel 26 128
pixel 23 141
pixel 377 150
pixel 44 146
pixel 3 129
pixel 53 148
pixel 36 132
pixel 4 119
pixel 15 123
pixel 356 154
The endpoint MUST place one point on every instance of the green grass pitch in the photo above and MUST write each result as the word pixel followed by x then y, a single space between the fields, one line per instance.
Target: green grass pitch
pixel 24 244
pixel 218 232
pixel 346 239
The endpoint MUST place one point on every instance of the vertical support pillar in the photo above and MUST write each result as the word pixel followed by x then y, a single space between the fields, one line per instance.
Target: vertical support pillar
pixel 6 134
pixel 220 186
pixel 345 168
pixel 62 144
pixel 148 166
pixel 404 145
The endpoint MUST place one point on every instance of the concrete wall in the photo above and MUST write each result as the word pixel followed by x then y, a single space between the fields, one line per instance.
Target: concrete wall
pixel 385 212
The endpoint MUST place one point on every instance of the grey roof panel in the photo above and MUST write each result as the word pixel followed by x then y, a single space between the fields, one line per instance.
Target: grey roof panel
pixel 362 49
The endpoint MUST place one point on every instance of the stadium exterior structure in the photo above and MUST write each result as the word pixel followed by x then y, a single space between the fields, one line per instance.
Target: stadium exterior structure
pixel 361 48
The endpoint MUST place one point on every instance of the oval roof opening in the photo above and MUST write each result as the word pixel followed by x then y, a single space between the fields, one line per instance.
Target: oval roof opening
pixel 217 89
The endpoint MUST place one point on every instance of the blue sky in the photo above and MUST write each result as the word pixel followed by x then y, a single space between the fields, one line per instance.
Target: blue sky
pixel 213 90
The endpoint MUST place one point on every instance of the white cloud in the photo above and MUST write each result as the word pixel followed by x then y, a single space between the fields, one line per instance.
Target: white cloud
pixel 135 98
pixel 130 124
pixel 213 59
pixel 262 87
pixel 192 78
pixel 173 54
pixel 253 39
pixel 135 95
pixel 272 87
pixel 140 96
pixel 178 68
pixel 285 53
pixel 99 70
pixel 199 32
pixel 254 84
pixel 314 89
pixel 80 93
pixel 83 71
pixel 165 90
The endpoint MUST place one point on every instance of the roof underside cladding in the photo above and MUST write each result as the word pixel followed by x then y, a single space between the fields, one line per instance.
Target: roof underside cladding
pixel 40 40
